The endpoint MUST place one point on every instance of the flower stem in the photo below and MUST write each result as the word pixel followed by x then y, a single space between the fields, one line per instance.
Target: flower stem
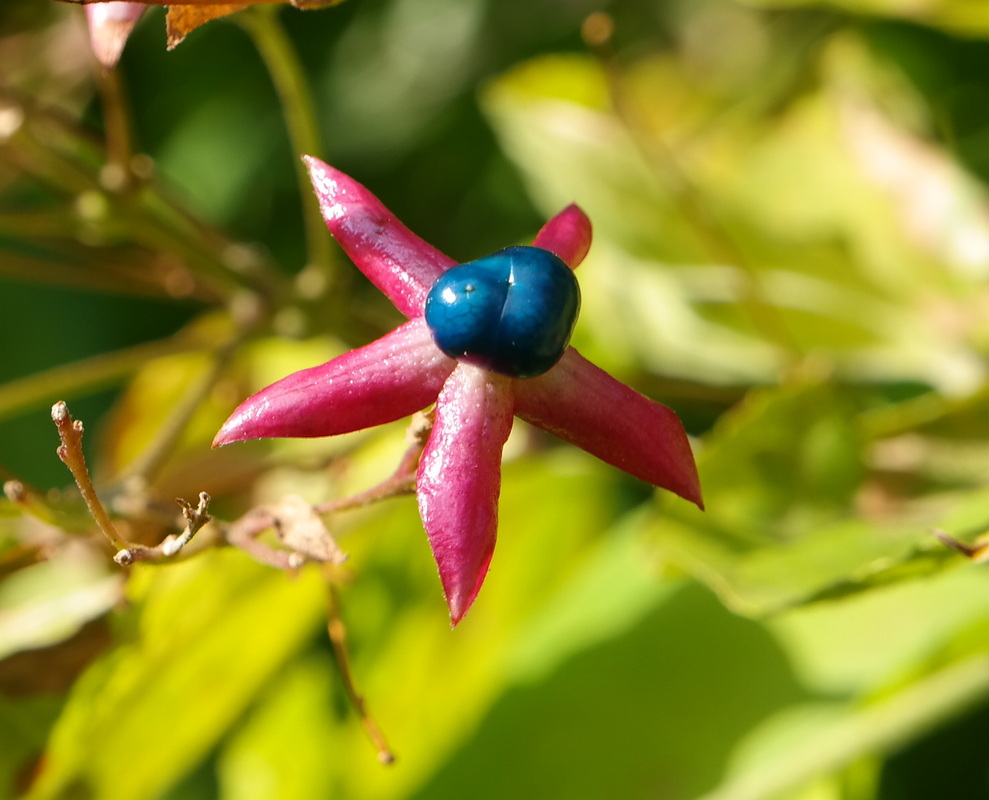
pixel 119 146
pixel 279 55
pixel 401 482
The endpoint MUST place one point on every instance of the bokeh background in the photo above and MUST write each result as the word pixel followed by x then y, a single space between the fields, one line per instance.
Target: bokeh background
pixel 791 249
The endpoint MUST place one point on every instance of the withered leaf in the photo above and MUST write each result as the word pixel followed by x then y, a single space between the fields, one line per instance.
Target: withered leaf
pixel 187 15
pixel 302 530
pixel 296 3
pixel 182 19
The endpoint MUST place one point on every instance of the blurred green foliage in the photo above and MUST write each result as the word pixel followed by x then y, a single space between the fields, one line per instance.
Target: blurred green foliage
pixel 791 249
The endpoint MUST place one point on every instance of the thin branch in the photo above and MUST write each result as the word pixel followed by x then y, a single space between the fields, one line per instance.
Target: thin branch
pixel 977 551
pixel 53 150
pixel 338 638
pixel 117 174
pixel 244 532
pixel 70 451
pixel 98 269
pixel 195 517
pixel 143 469
pixel 88 374
pixel 401 482
pixel 289 77
pixel 70 433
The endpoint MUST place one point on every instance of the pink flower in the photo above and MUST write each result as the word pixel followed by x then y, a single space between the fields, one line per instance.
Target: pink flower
pixel 109 26
pixel 459 475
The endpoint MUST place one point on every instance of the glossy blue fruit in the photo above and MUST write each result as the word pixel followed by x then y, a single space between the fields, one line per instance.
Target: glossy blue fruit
pixel 511 312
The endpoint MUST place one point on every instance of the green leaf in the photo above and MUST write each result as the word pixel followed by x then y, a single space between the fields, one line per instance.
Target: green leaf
pixel 209 633
pixel 805 744
pixel 651 710
pixel 284 748
pixel 782 476
pixel 48 602
pixel 727 245
pixel 966 17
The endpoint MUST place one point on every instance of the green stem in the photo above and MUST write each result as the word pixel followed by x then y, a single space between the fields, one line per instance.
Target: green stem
pixel 337 632
pixel 146 214
pixel 279 55
pixel 86 272
pixel 87 375
pixel 116 121
pixel 147 465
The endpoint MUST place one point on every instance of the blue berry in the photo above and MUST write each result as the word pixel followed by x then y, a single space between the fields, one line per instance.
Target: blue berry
pixel 511 312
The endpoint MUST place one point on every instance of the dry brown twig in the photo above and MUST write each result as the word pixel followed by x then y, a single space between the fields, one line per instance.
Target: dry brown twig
pixel 978 551
pixel 196 518
pixel 70 433
pixel 402 481
pixel 337 632
pixel 298 524
pixel 70 451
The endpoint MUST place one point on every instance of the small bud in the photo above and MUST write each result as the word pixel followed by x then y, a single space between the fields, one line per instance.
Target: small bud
pixel 109 26
pixel 60 411
pixel 15 491
pixel 11 119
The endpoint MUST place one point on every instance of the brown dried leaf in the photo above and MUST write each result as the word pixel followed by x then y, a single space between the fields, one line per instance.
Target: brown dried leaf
pixel 310 4
pixel 182 19
pixel 202 3
pixel 199 3
pixel 302 530
pixel 183 16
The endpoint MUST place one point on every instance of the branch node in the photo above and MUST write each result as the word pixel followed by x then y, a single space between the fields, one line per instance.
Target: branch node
pixel 15 491
pixel 976 552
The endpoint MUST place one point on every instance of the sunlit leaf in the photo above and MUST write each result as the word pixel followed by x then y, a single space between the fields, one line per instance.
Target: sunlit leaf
pixel 830 643
pixel 48 602
pixel 727 245
pixel 285 748
pixel 781 476
pixel 967 17
pixel 812 742
pixel 210 633
pixel 628 695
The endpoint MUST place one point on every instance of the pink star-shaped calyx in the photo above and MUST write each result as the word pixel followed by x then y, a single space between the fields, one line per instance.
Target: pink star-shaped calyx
pixel 459 474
